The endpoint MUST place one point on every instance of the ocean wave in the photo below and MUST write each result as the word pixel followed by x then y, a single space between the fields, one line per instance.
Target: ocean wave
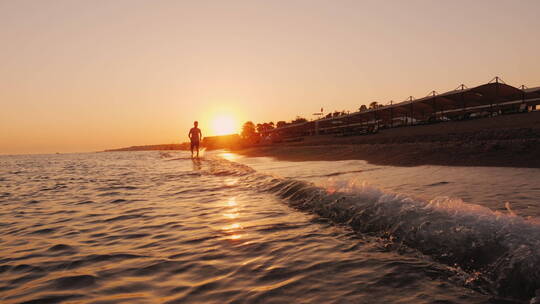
pixel 502 249
pixel 339 173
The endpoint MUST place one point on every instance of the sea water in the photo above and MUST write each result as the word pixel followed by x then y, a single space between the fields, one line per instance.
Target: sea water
pixel 159 227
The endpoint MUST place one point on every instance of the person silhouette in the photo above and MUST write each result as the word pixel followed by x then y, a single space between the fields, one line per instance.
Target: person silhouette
pixel 195 135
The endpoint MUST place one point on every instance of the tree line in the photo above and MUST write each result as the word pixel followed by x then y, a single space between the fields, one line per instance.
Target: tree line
pixel 251 130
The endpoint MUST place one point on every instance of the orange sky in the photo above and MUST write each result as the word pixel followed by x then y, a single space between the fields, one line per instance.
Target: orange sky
pixel 91 75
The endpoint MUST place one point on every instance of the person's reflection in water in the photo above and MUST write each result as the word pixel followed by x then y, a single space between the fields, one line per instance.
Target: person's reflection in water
pixel 196 164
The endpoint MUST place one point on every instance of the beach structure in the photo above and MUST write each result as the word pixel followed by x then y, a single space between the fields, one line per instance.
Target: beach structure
pixel 486 100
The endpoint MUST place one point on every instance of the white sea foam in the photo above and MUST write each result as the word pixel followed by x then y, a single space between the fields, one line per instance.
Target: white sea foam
pixel 504 247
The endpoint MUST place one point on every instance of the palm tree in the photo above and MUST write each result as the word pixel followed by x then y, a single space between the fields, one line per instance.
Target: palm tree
pixel 299 119
pixel 260 128
pixel 281 124
pixel 248 130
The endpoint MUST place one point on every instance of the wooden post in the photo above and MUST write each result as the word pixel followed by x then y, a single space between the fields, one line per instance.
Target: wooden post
pixel 496 95
pixel 463 104
pixel 497 92
pixel 523 98
pixel 411 99
pixel 463 96
pixel 391 115
pixel 434 105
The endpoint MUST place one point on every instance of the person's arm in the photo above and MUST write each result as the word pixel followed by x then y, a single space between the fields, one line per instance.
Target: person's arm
pixel 189 134
pixel 200 135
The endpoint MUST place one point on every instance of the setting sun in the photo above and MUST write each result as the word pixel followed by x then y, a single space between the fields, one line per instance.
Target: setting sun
pixel 224 124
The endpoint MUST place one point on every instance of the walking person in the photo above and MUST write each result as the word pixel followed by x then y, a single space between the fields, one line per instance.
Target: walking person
pixel 195 135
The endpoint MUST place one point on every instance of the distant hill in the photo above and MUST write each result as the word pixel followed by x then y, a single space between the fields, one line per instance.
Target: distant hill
pixel 232 141
pixel 182 146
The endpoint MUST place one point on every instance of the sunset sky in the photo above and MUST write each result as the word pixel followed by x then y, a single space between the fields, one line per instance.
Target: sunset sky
pixel 81 76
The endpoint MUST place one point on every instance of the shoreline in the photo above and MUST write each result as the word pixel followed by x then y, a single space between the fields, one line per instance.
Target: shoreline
pixel 503 141
pixel 481 154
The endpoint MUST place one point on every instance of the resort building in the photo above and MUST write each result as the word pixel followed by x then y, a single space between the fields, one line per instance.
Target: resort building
pixel 487 100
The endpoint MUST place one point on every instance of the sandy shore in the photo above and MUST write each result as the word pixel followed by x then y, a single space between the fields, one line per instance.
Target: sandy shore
pixel 507 141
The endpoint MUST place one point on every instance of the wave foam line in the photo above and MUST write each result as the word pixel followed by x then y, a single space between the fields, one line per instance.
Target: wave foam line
pixel 505 248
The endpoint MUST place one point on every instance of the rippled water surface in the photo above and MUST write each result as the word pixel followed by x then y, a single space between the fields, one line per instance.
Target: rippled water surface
pixel 504 189
pixel 155 227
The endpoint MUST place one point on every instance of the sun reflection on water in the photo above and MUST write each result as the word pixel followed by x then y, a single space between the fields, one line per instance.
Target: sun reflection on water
pixel 232 227
pixel 228 156
pixel 233 230
pixel 232 201
pixel 232 215
pixel 231 181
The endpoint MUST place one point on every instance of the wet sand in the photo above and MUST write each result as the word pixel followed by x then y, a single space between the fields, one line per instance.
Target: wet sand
pixel 504 141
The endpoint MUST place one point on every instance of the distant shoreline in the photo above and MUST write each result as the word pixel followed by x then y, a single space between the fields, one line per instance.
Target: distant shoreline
pixel 503 141
pixel 164 147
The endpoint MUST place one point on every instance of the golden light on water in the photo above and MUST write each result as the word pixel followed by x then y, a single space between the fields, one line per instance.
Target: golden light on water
pixel 228 156
pixel 232 215
pixel 231 201
pixel 234 229
pixel 231 182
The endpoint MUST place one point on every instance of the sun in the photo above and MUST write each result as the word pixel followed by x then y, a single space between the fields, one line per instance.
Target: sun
pixel 223 125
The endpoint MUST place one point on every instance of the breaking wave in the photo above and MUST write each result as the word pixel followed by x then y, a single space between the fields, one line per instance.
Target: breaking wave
pixel 501 250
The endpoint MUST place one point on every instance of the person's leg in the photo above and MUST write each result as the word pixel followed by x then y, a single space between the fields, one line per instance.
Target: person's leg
pixel 192 149
pixel 197 150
